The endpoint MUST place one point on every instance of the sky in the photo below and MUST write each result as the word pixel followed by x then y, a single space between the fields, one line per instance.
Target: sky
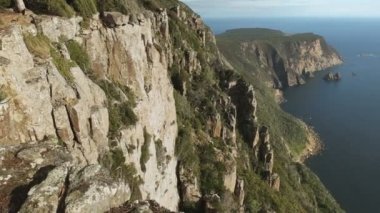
pixel 285 8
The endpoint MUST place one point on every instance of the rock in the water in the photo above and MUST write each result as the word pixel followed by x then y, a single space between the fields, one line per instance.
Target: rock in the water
pixel 333 77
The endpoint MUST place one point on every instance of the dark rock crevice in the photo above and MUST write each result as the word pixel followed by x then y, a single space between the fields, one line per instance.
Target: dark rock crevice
pixel 63 194
pixel 20 194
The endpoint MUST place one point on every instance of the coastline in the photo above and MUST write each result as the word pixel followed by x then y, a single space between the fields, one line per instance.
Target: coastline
pixel 314 145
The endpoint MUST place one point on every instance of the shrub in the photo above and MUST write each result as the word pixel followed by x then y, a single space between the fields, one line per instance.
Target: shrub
pixel 128 117
pixel 212 171
pixel 38 45
pixel 114 161
pixel 120 115
pixel 145 155
pixel 120 112
pixel 51 7
pixel 114 120
pixel 6 3
pixel 151 5
pixel 160 153
pixel 110 89
pixel 114 5
pixel 79 55
pixel 85 8
pixel 186 151
pixel 63 65
pixel 3 95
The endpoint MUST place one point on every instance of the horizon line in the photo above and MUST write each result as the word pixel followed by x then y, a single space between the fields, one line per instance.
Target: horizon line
pixel 279 17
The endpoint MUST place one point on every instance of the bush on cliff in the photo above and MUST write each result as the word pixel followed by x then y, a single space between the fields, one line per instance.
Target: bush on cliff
pixel 79 55
pixel 50 7
pixel 6 3
pixel 3 95
pixel 85 8
pixel 38 45
pixel 63 65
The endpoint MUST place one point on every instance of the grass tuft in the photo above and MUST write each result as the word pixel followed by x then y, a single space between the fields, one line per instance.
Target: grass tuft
pixel 38 45
pixel 114 161
pixel 85 8
pixel 50 7
pixel 145 155
pixel 63 65
pixel 79 55
pixel 3 95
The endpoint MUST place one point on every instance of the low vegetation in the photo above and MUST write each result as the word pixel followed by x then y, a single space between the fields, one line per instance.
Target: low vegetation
pixel 41 47
pixel 85 8
pixel 145 154
pixel 79 55
pixel 288 136
pixel 6 3
pixel 38 45
pixel 50 7
pixel 121 102
pixel 160 154
pixel 3 95
pixel 63 65
pixel 115 162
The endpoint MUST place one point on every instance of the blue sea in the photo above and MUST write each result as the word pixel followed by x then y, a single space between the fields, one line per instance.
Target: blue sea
pixel 346 114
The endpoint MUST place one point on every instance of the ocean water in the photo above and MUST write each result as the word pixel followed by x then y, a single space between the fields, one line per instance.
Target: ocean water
pixel 346 114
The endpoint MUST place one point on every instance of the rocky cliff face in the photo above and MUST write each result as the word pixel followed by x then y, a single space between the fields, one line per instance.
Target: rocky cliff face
pixel 133 111
pixel 290 59
pixel 46 108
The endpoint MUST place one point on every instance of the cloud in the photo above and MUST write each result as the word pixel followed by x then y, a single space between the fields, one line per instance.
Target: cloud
pixel 277 8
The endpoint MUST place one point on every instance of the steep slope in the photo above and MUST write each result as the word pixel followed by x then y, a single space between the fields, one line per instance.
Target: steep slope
pixel 134 102
pixel 288 58
pixel 293 140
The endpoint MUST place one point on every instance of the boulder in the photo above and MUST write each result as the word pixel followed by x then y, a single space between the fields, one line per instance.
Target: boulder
pixel 93 190
pixel 46 196
pixel 189 186
pixel 115 19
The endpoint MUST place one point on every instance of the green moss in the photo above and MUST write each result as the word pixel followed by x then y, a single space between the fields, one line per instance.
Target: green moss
pixel 79 55
pixel 38 45
pixel 63 65
pixel 51 7
pixel 145 155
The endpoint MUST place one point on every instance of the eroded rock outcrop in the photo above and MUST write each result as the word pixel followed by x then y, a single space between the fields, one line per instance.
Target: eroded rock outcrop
pixel 294 61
